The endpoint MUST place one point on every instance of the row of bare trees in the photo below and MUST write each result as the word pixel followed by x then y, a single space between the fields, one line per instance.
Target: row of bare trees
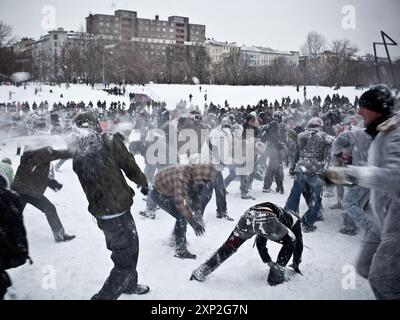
pixel 325 64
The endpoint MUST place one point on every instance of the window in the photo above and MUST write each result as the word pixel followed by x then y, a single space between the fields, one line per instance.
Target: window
pixel 55 44
pixel 55 37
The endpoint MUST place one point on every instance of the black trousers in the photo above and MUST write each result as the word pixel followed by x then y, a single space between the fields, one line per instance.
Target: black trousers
pixel 123 241
pixel 44 205
pixel 5 282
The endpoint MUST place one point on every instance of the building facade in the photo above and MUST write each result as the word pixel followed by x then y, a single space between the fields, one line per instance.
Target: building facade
pixel 125 25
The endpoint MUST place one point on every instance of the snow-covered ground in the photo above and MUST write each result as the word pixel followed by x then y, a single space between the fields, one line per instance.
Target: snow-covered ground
pixel 77 270
pixel 171 94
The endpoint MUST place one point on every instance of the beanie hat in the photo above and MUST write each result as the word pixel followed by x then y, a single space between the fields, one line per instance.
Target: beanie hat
pixel 315 123
pixel 379 99
pixel 87 120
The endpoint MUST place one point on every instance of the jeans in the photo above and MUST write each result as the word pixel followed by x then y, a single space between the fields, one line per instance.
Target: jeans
pixel 220 193
pixel 123 241
pixel 353 203
pixel 231 176
pixel 302 181
pixel 44 205
pixel 167 203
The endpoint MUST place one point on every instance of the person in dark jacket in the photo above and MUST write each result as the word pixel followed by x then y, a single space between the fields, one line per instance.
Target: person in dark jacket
pixel 268 222
pixel 99 160
pixel 32 180
pixel 13 241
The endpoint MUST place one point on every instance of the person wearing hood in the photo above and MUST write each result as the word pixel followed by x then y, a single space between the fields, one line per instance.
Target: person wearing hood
pixel 379 259
pixel 32 179
pixel 13 240
pixel 6 172
pixel 99 160
pixel 268 222
pixel 311 161
pixel 184 192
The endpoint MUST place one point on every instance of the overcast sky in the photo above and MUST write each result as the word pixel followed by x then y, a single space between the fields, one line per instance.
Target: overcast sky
pixel 279 24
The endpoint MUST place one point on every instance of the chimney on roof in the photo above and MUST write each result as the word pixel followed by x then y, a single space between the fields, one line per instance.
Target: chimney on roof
pixel 157 17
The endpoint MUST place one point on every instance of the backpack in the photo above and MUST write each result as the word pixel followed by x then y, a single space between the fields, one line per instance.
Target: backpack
pixel 13 242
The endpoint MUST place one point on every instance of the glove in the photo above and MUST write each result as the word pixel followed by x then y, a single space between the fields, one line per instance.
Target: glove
pixel 198 225
pixel 54 185
pixel 145 190
pixel 276 274
pixel 341 176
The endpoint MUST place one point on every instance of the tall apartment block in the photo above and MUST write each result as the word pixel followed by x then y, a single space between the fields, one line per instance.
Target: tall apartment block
pixel 125 25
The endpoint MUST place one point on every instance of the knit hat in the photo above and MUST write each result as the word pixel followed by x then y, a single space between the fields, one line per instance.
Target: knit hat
pixel 378 98
pixel 315 123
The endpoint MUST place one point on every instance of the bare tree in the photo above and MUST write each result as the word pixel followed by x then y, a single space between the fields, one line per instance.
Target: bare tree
pixel 343 48
pixel 314 45
pixel 6 37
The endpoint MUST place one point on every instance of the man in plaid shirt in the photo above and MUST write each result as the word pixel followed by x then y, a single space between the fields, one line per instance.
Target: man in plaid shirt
pixel 184 191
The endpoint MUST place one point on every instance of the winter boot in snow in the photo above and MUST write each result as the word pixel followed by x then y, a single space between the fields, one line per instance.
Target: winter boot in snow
pixel 183 253
pixel 265 190
pixel 200 273
pixel 62 237
pixel 351 231
pixel 308 229
pixel 224 215
pixel 246 196
pixel 150 214
pixel 140 290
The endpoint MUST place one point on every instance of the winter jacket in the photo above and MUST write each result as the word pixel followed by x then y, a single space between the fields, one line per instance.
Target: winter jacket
pixel 176 181
pixel 32 175
pixel 273 226
pixel 98 161
pixel 382 177
pixel 314 149
pixel 358 141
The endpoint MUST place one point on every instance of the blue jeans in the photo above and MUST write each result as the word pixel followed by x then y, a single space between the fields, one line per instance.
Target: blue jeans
pixel 309 181
pixel 231 176
pixel 353 203
pixel 167 203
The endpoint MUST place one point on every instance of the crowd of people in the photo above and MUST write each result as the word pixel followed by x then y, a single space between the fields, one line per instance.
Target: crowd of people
pixel 349 146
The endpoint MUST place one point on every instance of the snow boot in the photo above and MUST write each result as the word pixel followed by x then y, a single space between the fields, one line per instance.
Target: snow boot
pixel 150 214
pixel 351 231
pixel 184 254
pixel 63 237
pixel 140 290
pixel 246 196
pixel 265 190
pixel 200 273
pixel 308 229
pixel 224 215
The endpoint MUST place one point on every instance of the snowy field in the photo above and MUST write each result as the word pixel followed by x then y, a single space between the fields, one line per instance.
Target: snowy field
pixel 171 94
pixel 78 269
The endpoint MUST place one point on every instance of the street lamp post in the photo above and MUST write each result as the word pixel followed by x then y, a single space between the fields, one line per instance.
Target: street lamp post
pixel 104 51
